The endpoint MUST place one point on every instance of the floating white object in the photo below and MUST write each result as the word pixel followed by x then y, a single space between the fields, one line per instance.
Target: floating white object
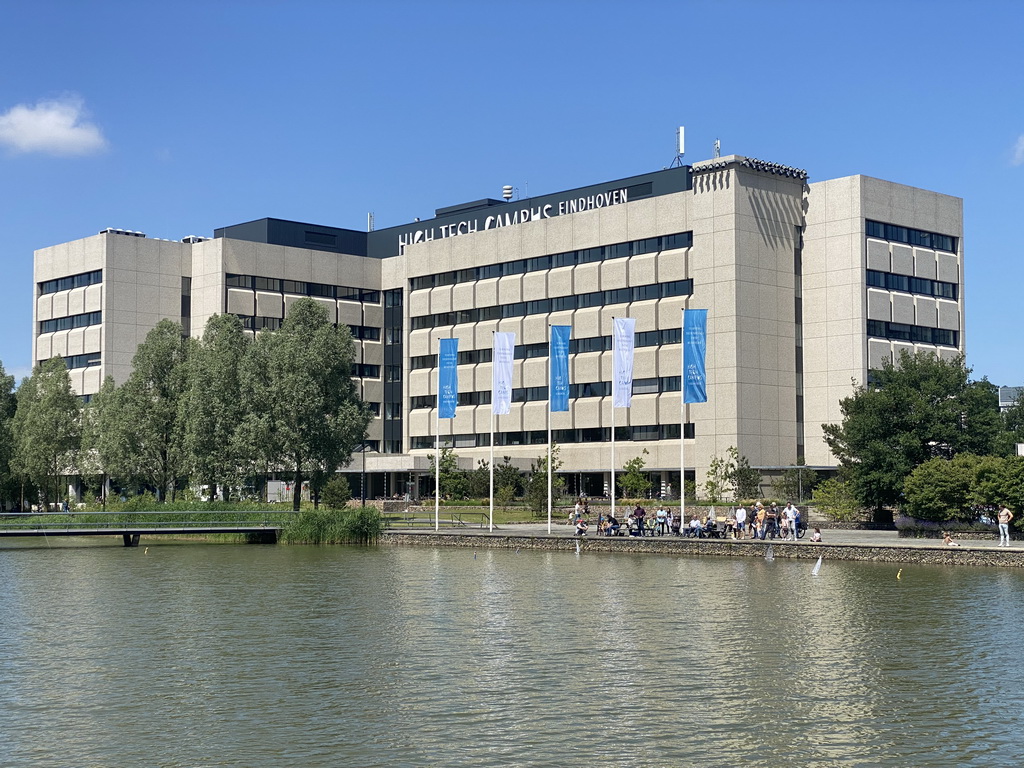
pixel 817 567
pixel 769 554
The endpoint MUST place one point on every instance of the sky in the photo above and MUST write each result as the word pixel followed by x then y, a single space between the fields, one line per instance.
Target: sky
pixel 177 118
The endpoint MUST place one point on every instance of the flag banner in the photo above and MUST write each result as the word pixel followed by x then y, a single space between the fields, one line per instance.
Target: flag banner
pixel 447 378
pixel 501 374
pixel 622 377
pixel 695 323
pixel 558 394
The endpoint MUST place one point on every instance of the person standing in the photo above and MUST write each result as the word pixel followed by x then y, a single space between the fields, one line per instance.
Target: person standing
pixel 790 515
pixel 741 521
pixel 1004 518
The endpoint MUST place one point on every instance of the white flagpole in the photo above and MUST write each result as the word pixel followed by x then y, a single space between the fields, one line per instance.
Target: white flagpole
pixel 682 428
pixel 615 387
pixel 437 452
pixel 550 393
pixel 490 526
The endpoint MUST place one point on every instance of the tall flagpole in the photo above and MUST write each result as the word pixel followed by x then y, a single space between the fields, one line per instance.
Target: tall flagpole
pixel 437 449
pixel 490 525
pixel 615 387
pixel 682 427
pixel 550 393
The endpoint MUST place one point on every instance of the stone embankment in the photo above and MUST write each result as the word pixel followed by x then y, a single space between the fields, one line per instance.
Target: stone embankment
pixel 840 545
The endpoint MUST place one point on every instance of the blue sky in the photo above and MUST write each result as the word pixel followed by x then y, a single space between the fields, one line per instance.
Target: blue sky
pixel 176 118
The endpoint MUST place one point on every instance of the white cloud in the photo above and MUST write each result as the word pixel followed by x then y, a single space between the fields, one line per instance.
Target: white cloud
pixel 1018 151
pixel 52 127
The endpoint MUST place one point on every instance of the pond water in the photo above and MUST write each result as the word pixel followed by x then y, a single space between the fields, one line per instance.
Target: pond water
pixel 221 655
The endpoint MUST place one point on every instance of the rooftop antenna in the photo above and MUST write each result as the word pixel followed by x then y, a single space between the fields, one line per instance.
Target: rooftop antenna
pixel 369 221
pixel 718 148
pixel 506 192
pixel 680 148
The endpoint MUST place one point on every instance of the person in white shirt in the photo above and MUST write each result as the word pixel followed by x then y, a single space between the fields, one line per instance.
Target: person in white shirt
pixel 741 522
pixel 790 514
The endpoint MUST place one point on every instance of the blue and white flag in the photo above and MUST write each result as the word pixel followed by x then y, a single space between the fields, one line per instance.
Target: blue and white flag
pixel 622 346
pixel 695 322
pixel 447 378
pixel 559 355
pixel 501 373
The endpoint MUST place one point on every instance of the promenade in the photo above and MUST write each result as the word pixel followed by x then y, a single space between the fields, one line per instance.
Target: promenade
pixel 837 544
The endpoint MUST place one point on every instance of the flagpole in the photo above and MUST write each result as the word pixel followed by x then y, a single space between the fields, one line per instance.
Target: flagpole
pixel 437 447
pixel 490 526
pixel 615 387
pixel 682 427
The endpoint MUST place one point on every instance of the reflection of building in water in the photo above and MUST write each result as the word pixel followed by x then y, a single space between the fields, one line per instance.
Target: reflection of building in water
pixel 808 287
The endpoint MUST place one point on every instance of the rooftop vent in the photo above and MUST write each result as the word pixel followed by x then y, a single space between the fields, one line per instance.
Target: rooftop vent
pixel 194 239
pixel 128 232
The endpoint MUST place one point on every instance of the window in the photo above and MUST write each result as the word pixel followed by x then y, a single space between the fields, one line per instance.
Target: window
pixel 917 237
pixel 72 321
pixel 80 280
pixel 365 371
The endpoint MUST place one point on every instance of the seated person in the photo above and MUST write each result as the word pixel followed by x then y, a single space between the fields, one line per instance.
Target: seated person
pixel 612 526
pixel 710 525
pixel 695 527
pixel 581 527
pixel 816 536
pixel 948 540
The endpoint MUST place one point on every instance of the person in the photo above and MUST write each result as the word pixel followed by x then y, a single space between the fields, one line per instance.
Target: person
pixel 741 521
pixel 948 540
pixel 790 515
pixel 612 525
pixel 581 527
pixel 695 527
pixel 773 521
pixel 711 524
pixel 761 522
pixel 1004 517
pixel 670 519
pixel 661 517
pixel 816 536
pixel 638 515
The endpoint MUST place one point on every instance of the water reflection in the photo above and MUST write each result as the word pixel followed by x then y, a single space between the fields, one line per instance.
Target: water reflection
pixel 270 656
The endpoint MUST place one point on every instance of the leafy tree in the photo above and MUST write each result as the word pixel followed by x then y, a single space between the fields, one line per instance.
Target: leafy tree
pixel 506 475
pixel 47 428
pixel 923 408
pixel 478 481
pixel 835 498
pixel 8 407
pixel 336 493
pixel 453 482
pixel 304 411
pixel 940 489
pixel 535 489
pixel 504 495
pixel 795 484
pixel 140 422
pixel 211 410
pixel 634 483
pixel 746 480
pixel 719 482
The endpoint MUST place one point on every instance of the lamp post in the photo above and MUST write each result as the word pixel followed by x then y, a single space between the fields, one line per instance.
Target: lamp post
pixel 362 473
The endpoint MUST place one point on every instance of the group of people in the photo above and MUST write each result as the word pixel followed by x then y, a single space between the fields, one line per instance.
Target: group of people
pixel 768 522
pixel 638 522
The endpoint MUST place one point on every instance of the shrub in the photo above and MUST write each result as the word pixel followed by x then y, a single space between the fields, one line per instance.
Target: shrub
pixel 336 493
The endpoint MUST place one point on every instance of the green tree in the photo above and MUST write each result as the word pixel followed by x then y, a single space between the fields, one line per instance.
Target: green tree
pixel 795 484
pixel 453 482
pixel 303 409
pixel 746 480
pixel 212 412
pixel 478 481
pixel 940 489
pixel 535 489
pixel 47 428
pixel 8 407
pixel 140 421
pixel 336 493
pixel 923 408
pixel 720 477
pixel 835 498
pixel 506 475
pixel 634 483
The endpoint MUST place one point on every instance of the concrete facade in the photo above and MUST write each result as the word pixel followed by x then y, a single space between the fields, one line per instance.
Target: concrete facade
pixel 783 267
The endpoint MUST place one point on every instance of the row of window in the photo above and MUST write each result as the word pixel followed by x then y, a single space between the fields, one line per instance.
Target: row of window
pixel 920 285
pixel 303 288
pixel 257 323
pixel 557 304
pixel 560 436
pixel 904 332
pixel 365 371
pixel 566 259
pixel 576 391
pixel 71 321
pixel 910 236
pixel 72 281
pixel 80 361
pixel 540 349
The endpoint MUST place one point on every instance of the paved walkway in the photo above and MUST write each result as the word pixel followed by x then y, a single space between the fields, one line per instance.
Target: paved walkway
pixel 828 535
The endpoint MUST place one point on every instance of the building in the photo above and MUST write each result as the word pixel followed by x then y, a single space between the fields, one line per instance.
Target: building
pixel 809 287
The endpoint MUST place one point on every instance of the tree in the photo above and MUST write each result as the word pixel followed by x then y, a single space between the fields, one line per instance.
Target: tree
pixel 304 412
pixel 211 410
pixel 745 479
pixel 940 489
pixel 634 483
pixel 506 475
pixel 834 497
pixel 453 482
pixel 720 477
pixel 8 407
pixel 140 422
pixel 47 428
pixel 336 493
pixel 796 483
pixel 535 489
pixel 923 408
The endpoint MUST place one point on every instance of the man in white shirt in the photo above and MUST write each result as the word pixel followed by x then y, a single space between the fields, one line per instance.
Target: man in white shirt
pixel 741 522
pixel 791 515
